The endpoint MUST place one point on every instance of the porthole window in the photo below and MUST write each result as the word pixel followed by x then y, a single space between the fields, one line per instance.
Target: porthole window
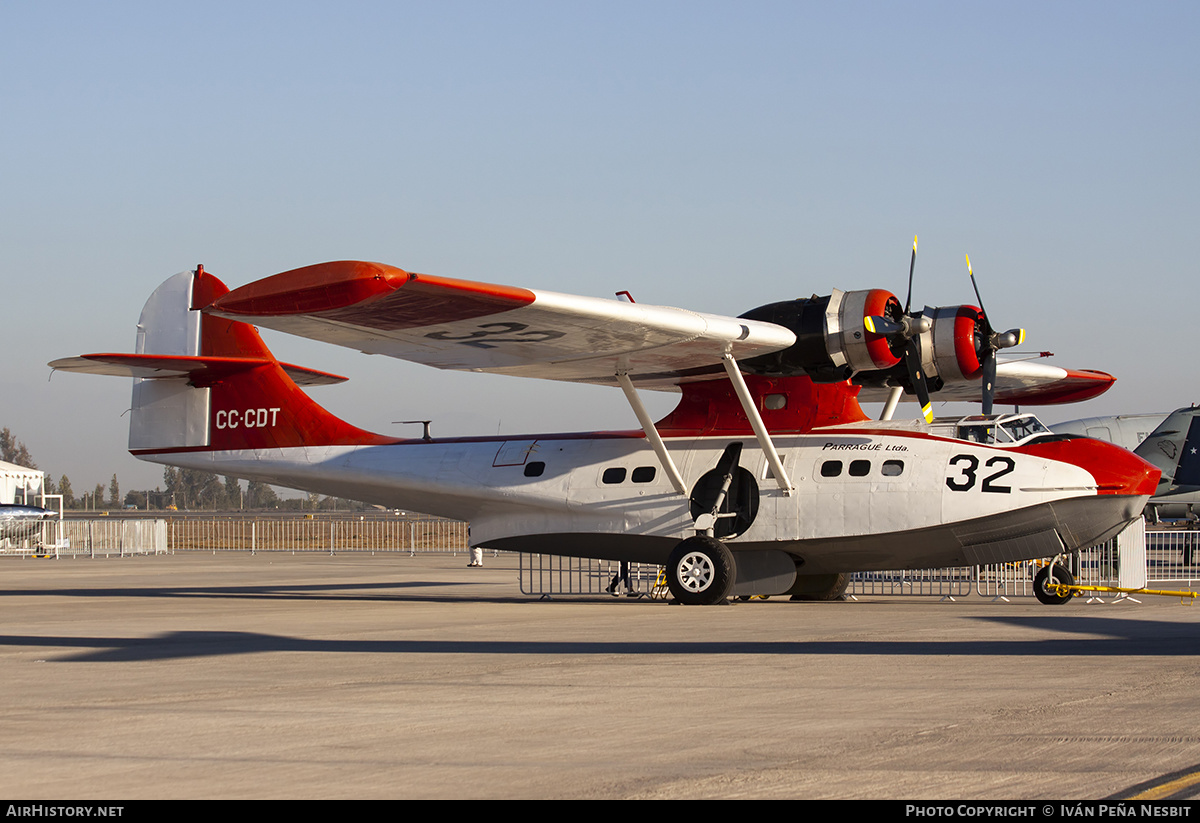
pixel 775 401
pixel 860 468
pixel 643 474
pixel 613 476
pixel 831 468
pixel 892 468
pixel 535 468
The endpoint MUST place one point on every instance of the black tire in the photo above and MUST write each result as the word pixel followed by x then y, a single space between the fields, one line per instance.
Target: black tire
pixel 700 571
pixel 1041 579
pixel 821 587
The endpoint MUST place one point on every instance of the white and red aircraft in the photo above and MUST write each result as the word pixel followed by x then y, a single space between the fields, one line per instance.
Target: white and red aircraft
pixel 766 479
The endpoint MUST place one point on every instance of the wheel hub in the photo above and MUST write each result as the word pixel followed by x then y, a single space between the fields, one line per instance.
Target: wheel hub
pixel 696 571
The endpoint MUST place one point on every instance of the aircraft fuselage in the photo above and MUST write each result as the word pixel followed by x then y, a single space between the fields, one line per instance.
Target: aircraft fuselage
pixel 863 499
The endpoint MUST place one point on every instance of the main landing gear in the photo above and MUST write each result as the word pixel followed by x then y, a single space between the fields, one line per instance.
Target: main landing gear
pixel 700 571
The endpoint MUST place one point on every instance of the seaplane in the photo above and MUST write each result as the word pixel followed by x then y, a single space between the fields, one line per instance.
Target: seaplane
pixel 767 478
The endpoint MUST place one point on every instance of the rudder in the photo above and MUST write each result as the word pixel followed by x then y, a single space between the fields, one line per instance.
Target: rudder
pixel 206 383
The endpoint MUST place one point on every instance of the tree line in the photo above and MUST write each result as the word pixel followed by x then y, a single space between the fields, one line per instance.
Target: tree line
pixel 182 489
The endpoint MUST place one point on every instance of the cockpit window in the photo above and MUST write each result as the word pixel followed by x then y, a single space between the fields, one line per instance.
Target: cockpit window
pixel 1001 430
pixel 1022 428
pixel 977 434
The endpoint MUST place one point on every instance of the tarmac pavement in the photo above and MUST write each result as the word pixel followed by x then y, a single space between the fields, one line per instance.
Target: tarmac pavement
pixel 309 676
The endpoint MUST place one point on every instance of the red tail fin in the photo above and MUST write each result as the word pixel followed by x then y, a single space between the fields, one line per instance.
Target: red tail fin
pixel 258 406
pixel 204 383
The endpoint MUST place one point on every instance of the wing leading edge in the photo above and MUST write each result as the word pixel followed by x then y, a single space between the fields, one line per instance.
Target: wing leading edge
pixel 470 326
pixel 463 325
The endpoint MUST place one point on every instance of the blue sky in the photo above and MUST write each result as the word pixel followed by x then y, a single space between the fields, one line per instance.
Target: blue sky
pixel 715 156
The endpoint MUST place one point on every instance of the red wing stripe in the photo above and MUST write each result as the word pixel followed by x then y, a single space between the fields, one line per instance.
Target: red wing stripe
pixel 1078 385
pixel 370 295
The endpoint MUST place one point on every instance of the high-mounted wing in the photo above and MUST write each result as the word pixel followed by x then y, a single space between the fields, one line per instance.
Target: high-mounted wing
pixel 459 324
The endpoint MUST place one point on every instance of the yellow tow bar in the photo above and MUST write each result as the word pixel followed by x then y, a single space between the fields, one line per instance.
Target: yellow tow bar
pixel 1063 590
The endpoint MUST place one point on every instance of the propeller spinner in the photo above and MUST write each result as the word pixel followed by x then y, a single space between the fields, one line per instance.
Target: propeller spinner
pixel 988 343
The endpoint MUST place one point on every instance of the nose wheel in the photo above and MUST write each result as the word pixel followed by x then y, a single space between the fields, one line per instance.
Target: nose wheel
pixel 1046 589
pixel 700 571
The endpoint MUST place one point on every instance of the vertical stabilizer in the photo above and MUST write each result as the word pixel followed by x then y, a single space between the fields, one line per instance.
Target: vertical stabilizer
pixel 1174 447
pixel 169 413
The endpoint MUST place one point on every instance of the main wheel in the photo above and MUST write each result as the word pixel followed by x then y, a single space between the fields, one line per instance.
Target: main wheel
pixel 1041 580
pixel 700 571
pixel 819 587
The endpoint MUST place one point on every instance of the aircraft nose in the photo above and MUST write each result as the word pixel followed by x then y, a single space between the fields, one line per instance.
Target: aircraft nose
pixel 1116 470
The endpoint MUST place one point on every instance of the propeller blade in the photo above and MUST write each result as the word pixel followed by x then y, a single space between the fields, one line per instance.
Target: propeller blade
pixel 989 380
pixel 991 343
pixel 912 360
pixel 883 326
pixel 987 323
pixel 911 265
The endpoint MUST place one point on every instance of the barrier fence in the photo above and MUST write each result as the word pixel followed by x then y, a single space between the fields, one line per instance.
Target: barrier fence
pixel 91 538
pixel 327 535
pixel 118 536
pixel 1153 557
pixel 551 574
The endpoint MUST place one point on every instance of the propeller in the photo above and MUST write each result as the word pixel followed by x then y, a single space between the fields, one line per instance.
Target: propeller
pixel 904 331
pixel 990 342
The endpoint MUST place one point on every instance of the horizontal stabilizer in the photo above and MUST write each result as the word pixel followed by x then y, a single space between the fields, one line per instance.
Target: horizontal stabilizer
pixel 205 369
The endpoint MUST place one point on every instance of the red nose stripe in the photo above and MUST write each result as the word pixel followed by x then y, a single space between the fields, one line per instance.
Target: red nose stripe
pixel 1116 470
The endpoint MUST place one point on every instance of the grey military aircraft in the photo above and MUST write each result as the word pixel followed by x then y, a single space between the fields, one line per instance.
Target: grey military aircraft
pixel 1170 441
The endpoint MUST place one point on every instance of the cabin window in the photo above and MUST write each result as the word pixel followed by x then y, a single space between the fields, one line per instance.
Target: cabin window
pixel 613 476
pixel 535 468
pixel 860 468
pixel 643 474
pixel 775 401
pixel 892 468
pixel 831 468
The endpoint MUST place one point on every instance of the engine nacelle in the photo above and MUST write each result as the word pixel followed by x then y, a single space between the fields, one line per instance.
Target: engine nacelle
pixel 951 351
pixel 832 342
pixel 951 348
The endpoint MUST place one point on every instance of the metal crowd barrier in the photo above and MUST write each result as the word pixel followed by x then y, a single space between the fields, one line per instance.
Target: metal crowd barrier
pixel 546 575
pixel 1144 558
pixel 92 538
pixel 104 536
pixel 1136 558
pixel 956 582
pixel 326 535
pixel 1173 556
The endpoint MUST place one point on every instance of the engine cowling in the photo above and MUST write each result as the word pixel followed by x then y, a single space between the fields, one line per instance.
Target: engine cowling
pixel 951 348
pixel 833 344
pixel 832 341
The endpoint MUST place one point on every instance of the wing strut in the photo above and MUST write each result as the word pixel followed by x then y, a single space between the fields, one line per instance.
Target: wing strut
pixel 760 431
pixel 889 408
pixel 652 434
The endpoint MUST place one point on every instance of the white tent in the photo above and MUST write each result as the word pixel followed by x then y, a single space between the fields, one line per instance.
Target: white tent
pixel 14 478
